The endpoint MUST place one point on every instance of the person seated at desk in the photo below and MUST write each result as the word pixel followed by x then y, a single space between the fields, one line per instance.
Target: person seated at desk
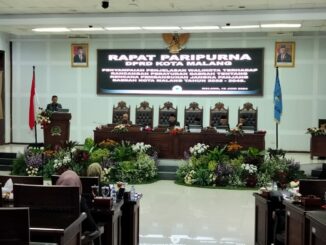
pixel 125 120
pixel 173 121
pixel 54 106
pixel 196 121
pixel 223 123
pixel 70 178
pixel 242 122
pixel 95 170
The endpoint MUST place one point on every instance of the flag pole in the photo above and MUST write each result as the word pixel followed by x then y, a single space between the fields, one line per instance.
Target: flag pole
pixel 35 123
pixel 277 122
pixel 276 135
pixel 278 107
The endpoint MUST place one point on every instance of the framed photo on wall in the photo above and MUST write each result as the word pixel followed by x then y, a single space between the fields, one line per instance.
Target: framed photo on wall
pixel 284 54
pixel 79 55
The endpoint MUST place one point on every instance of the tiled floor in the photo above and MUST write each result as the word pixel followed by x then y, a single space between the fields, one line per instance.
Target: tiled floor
pixel 175 214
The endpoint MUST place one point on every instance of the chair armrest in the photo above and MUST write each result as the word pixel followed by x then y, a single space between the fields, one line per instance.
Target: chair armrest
pixel 52 231
pixel 63 234
pixel 74 228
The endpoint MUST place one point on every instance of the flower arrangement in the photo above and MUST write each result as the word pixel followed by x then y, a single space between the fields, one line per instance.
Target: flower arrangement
pixel 220 166
pixel 189 178
pixel 62 163
pixel 198 149
pixel 140 147
pixel 235 131
pixel 233 147
pixel 147 129
pixel 316 131
pixel 132 163
pixel 108 143
pixel 176 131
pixel 249 169
pixel 43 118
pixel 34 160
pixel 120 128
pixel 32 171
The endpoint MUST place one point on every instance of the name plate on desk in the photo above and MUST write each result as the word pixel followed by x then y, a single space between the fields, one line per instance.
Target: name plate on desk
pixel 195 130
pixel 221 130
pixel 248 131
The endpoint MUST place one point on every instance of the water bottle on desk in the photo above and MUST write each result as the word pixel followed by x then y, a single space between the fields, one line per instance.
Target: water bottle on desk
pixel 132 193
pixel 274 186
pixel 114 195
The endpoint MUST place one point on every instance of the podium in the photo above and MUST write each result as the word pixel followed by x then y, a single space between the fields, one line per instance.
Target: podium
pixel 57 132
pixel 318 146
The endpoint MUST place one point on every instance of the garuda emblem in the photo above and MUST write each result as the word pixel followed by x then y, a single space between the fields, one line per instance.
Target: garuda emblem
pixel 175 41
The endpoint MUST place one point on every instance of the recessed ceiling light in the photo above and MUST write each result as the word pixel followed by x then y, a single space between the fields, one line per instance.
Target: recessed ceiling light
pixel 161 28
pixel 200 27
pixel 51 29
pixel 88 29
pixel 280 25
pixel 125 28
pixel 241 27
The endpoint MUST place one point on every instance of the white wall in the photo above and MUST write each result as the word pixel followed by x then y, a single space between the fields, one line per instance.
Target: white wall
pixel 304 87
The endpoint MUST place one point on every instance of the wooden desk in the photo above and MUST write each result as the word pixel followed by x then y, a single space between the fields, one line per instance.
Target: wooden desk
pixel 263 220
pixel 173 146
pixel 296 224
pixel 318 146
pixel 111 218
pixel 130 222
pixel 317 231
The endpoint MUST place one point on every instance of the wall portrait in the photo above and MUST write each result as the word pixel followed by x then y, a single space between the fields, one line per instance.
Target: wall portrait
pixel 284 54
pixel 79 55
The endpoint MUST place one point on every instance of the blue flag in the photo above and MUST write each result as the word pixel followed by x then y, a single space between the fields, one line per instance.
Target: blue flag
pixel 278 105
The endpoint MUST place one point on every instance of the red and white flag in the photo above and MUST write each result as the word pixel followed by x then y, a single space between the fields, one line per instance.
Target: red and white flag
pixel 31 121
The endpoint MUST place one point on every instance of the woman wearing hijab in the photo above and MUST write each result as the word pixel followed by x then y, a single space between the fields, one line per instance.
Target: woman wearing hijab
pixel 70 178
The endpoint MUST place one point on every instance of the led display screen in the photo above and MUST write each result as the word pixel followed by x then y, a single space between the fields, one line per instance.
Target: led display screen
pixel 190 72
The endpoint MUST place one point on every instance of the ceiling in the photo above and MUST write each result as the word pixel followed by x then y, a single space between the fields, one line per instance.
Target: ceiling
pixel 19 17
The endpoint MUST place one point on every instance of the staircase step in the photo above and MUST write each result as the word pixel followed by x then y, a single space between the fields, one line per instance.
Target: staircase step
pixel 167 168
pixel 5 167
pixel 167 176
pixel 8 155
pixel 6 161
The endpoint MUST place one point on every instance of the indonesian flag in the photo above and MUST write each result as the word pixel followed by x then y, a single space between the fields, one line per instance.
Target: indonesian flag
pixel 31 121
